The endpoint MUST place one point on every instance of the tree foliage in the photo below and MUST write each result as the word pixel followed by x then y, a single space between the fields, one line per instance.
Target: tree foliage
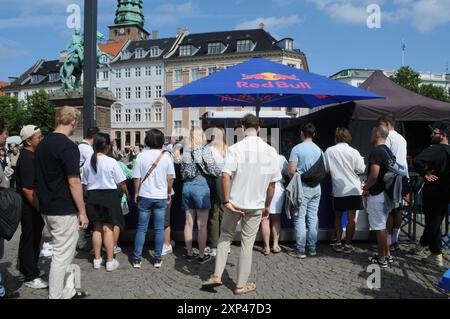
pixel 407 78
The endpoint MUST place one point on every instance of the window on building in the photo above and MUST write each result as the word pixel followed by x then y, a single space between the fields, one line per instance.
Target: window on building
pixel 211 69
pixel 118 93
pixel 148 71
pixel 292 65
pixel 178 76
pixel 158 70
pixel 215 48
pixel 195 74
pixel 97 76
pixel 118 135
pixel 154 52
pixel 137 138
pixel 128 73
pixel 118 73
pixel 244 45
pixel 105 75
pixel 177 125
pixel 137 115
pixel 158 91
pixel 148 92
pixel 127 138
pixel 128 93
pixel 138 72
pixel 148 114
pixel 127 115
pixel 137 92
pixel 139 53
pixel 126 55
pixel 118 115
pixel 186 50
pixel 53 77
pixel 158 112
pixel 194 123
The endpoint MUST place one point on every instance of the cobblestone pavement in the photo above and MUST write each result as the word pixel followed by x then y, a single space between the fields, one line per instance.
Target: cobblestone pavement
pixel 329 275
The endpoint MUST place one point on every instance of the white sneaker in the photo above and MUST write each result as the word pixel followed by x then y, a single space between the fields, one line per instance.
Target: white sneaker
pixel 46 253
pixel 166 250
pixel 213 252
pixel 47 245
pixel 37 283
pixel 207 250
pixel 112 265
pixel 117 250
pixel 436 260
pixel 98 263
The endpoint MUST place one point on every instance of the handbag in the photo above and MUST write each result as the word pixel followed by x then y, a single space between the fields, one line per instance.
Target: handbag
pixel 10 212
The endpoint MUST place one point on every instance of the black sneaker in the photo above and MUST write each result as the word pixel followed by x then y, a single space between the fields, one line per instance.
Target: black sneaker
pixel 375 260
pixel 297 254
pixel 390 259
pixel 137 264
pixel 191 258
pixel 205 259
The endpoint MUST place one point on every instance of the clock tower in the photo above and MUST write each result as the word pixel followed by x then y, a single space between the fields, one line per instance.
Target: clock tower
pixel 129 22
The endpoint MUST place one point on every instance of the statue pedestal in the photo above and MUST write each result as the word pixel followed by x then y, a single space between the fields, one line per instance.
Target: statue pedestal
pixel 75 99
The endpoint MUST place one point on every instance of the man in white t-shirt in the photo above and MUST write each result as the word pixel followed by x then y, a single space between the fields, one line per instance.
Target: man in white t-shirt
pixel 251 169
pixel 398 145
pixel 152 193
pixel 85 146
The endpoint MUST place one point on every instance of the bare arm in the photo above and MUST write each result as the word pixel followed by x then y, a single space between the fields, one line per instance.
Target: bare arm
pixel 292 169
pixel 270 192
pixel 373 175
pixel 226 182
pixel 77 194
pixel 31 197
pixel 124 189
pixel 137 186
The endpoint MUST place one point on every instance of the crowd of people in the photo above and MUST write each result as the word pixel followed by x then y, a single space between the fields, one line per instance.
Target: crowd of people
pixel 76 190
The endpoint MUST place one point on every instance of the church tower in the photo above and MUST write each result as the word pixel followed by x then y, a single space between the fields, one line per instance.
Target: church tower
pixel 129 22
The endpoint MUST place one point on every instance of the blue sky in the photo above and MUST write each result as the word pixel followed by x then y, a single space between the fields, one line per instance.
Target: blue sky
pixel 333 33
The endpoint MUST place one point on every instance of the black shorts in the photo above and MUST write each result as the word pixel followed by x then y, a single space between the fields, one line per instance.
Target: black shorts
pixel 347 203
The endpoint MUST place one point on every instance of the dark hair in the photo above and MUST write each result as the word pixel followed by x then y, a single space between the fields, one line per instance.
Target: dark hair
pixel 102 143
pixel 309 130
pixel 250 121
pixel 342 135
pixel 3 125
pixel 382 132
pixel 154 139
pixel 92 131
pixel 387 118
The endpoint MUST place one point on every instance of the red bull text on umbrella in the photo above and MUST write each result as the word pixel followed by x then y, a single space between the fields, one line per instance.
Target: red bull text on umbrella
pixel 272 80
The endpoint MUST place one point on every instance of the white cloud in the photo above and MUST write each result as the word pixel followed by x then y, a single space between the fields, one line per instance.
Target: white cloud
pixel 270 23
pixel 10 49
pixel 429 14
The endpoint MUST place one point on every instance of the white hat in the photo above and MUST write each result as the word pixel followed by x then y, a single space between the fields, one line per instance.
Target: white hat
pixel 28 131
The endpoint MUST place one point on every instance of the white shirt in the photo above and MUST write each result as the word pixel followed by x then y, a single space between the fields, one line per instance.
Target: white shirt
pixel 253 165
pixel 218 158
pixel 155 186
pixel 398 145
pixel 108 175
pixel 344 163
pixel 86 152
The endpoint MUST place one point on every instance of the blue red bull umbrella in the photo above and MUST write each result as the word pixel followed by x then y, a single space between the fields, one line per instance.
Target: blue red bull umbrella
pixel 262 83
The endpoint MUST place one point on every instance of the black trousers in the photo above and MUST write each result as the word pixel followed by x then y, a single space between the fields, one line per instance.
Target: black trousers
pixel 435 209
pixel 30 240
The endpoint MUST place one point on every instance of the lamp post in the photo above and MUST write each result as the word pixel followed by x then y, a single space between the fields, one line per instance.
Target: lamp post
pixel 90 63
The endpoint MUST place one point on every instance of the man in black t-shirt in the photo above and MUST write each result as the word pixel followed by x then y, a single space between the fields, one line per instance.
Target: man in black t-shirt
pixel 58 186
pixel 374 191
pixel 32 223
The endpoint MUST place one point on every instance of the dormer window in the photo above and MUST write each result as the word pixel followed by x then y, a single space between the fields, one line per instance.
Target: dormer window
pixel 215 48
pixel 186 50
pixel 126 55
pixel 245 46
pixel 139 53
pixel 36 78
pixel 155 51
pixel 53 77
pixel 286 44
pixel 104 59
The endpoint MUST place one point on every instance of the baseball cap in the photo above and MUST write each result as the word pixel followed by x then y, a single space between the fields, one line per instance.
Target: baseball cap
pixel 28 131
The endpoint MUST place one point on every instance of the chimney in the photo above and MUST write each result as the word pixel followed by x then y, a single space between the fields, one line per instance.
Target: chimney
pixel 261 26
pixel 155 35
pixel 62 56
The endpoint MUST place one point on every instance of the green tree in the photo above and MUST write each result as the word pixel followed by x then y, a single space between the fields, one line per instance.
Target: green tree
pixel 41 111
pixel 14 112
pixel 434 92
pixel 408 78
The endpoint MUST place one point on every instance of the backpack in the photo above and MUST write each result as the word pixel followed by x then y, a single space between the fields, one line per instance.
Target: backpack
pixel 10 212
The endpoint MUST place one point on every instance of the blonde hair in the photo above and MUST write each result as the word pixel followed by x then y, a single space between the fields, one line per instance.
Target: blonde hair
pixel 67 115
pixel 197 137
pixel 219 140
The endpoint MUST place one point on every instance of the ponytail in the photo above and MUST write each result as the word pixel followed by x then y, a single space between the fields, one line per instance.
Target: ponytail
pixel 94 162
pixel 101 144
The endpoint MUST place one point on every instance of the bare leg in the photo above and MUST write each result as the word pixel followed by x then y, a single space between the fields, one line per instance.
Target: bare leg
pixel 338 226
pixel 265 231
pixel 276 229
pixel 202 222
pixel 108 238
pixel 97 239
pixel 116 234
pixel 351 226
pixel 167 236
pixel 188 228
pixel 383 248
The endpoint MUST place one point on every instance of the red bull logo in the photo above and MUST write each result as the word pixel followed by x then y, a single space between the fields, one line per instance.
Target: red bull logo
pixel 272 80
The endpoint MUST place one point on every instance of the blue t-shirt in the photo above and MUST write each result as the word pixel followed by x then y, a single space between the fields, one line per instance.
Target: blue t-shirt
pixel 306 154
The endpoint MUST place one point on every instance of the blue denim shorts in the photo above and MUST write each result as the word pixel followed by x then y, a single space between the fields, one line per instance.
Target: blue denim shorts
pixel 196 194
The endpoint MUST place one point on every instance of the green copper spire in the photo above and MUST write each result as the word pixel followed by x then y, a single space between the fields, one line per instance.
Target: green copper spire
pixel 130 12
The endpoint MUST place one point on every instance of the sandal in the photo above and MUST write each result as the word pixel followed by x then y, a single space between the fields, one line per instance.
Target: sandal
pixel 276 250
pixel 211 283
pixel 80 295
pixel 250 286
pixel 266 252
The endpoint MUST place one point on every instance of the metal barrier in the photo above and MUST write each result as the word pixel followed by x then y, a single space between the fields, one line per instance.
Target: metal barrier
pixel 413 214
